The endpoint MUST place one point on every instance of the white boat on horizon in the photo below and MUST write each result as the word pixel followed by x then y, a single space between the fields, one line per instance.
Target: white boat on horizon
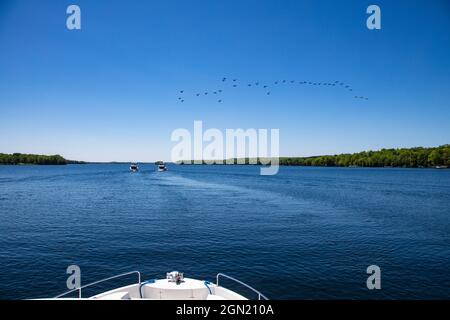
pixel 134 167
pixel 161 166
pixel 173 287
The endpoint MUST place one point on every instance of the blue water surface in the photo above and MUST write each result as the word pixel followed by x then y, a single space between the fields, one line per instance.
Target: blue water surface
pixel 306 233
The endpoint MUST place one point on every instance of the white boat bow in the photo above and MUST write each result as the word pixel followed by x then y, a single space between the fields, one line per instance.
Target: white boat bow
pixel 174 287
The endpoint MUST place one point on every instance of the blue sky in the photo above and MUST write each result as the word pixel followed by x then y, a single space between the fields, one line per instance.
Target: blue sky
pixel 109 91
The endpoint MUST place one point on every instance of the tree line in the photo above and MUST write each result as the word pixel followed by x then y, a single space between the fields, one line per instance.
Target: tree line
pixel 20 158
pixel 404 157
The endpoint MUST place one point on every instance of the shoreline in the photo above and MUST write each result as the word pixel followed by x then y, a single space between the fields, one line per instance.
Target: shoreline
pixel 416 157
pixel 221 164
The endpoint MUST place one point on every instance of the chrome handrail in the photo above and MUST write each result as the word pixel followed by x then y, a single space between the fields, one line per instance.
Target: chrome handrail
pixel 99 281
pixel 260 295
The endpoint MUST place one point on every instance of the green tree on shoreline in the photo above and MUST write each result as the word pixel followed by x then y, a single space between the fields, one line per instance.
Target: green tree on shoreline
pixel 410 158
pixel 418 157
pixel 20 158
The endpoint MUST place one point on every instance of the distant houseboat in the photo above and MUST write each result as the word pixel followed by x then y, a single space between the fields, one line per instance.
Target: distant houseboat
pixel 134 167
pixel 161 166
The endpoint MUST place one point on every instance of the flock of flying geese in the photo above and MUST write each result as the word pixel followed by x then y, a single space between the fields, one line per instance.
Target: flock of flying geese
pixel 235 83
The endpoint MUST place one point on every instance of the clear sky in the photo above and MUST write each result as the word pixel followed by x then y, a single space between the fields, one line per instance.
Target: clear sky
pixel 110 90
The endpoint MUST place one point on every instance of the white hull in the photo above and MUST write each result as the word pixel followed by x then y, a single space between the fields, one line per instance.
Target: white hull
pixel 167 289
pixel 190 289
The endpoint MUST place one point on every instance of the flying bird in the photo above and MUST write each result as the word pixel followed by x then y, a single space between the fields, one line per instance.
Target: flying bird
pixel 219 101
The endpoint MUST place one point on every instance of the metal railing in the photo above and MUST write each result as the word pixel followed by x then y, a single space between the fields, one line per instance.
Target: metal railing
pixel 260 295
pixel 99 281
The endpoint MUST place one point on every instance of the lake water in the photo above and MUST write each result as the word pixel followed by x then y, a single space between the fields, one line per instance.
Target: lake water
pixel 306 233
